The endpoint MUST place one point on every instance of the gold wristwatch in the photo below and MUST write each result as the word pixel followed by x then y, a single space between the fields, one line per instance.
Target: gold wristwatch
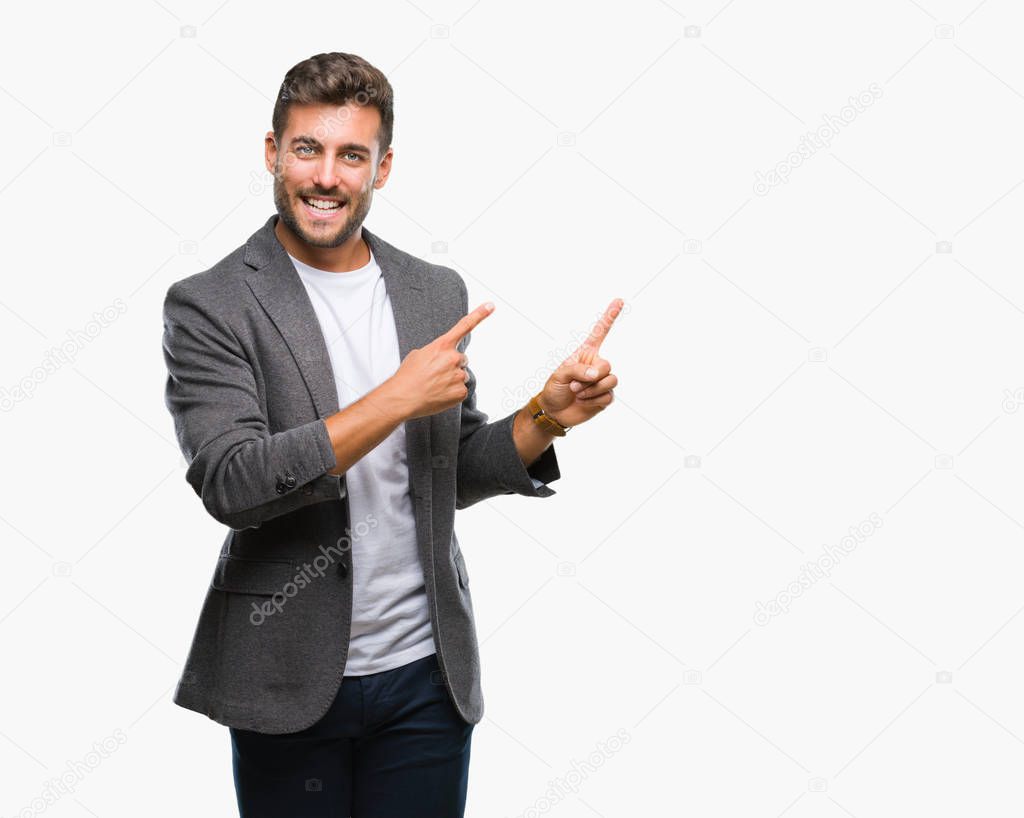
pixel 544 420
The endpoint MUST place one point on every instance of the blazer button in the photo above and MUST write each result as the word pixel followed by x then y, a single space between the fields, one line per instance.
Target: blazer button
pixel 289 481
pixel 342 569
pixel 280 488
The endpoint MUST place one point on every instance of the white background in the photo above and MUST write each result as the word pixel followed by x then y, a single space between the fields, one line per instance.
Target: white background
pixel 847 344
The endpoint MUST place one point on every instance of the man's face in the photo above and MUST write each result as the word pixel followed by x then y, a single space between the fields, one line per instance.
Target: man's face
pixel 325 170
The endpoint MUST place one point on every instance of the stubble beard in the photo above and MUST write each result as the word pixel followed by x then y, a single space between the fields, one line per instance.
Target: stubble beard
pixel 357 207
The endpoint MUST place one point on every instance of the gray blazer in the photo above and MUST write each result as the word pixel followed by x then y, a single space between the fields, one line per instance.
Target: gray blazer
pixel 249 382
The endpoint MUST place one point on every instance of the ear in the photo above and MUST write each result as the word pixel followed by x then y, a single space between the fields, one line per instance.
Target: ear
pixel 384 169
pixel 270 152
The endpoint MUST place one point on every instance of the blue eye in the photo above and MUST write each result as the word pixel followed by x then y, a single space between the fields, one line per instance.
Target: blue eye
pixel 352 155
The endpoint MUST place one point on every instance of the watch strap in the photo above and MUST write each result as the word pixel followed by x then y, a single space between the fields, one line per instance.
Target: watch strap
pixel 544 420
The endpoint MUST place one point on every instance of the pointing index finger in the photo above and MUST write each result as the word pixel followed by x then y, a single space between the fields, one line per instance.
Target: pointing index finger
pixel 589 348
pixel 600 330
pixel 468 322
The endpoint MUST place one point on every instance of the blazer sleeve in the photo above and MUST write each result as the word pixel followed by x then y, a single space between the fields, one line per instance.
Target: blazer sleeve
pixel 488 462
pixel 243 473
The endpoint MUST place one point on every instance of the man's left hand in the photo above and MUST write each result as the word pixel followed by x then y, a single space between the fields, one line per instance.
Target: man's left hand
pixel 582 385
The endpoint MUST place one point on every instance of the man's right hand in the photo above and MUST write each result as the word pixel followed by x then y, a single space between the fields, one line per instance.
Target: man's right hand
pixel 433 377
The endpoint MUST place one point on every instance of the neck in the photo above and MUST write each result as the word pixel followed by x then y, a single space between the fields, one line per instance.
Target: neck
pixel 351 255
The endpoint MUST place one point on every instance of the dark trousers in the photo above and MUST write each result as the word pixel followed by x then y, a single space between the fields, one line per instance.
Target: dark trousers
pixel 391 745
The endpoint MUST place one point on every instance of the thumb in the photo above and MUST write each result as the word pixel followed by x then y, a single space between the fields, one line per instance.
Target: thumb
pixel 577 371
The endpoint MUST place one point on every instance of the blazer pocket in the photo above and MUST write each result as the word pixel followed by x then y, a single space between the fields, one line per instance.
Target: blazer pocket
pixel 245 576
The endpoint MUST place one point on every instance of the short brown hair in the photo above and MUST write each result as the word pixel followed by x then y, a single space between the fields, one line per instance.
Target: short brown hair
pixel 334 79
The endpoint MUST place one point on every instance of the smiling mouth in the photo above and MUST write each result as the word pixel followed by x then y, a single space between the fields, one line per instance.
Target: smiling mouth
pixel 322 208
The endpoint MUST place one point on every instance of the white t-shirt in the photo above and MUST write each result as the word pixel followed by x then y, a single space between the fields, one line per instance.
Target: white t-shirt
pixel 390 615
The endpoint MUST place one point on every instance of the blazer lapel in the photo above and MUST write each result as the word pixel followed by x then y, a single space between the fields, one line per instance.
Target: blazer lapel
pixel 276 284
pixel 415 325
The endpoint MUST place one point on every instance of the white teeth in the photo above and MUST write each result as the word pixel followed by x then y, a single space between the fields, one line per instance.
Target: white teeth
pixel 323 204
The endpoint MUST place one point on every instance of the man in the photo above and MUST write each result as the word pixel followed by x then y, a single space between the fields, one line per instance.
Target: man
pixel 322 396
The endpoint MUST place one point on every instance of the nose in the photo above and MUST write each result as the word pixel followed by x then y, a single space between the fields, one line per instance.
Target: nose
pixel 325 176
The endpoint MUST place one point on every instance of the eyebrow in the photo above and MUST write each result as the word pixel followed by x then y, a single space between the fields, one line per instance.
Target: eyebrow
pixel 309 140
